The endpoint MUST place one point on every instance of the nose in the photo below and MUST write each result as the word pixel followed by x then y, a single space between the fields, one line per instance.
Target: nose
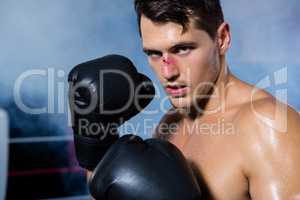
pixel 169 68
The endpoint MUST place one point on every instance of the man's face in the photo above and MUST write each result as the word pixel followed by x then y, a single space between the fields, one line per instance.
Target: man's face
pixel 185 63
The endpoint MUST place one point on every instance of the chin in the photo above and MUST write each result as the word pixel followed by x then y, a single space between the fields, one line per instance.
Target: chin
pixel 181 102
pixel 185 106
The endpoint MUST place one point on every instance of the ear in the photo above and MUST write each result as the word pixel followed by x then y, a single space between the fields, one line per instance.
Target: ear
pixel 223 38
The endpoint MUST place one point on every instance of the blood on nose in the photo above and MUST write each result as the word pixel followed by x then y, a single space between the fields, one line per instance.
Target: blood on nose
pixel 168 61
pixel 169 69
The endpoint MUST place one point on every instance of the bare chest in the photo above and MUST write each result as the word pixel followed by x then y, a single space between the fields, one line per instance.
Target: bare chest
pixel 219 173
pixel 217 162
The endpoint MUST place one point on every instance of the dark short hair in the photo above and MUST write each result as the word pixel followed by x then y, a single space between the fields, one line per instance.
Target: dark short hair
pixel 208 14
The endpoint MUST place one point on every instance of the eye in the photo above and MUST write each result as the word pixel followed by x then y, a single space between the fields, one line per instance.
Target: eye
pixel 153 54
pixel 183 50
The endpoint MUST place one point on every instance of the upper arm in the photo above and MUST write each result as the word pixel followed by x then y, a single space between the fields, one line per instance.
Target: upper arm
pixel 273 152
pixel 88 175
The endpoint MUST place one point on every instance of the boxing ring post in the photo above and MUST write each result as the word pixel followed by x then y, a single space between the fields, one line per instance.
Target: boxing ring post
pixel 4 129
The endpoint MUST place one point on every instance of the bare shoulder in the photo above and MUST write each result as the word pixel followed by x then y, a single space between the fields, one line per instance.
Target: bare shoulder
pixel 270 141
pixel 167 125
pixel 267 115
pixel 269 132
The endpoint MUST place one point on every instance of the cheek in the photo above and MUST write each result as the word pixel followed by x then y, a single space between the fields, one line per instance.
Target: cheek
pixel 201 67
pixel 195 65
pixel 205 59
pixel 153 64
pixel 156 68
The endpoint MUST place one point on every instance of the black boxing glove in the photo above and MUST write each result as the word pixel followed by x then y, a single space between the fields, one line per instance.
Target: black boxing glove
pixel 104 93
pixel 133 169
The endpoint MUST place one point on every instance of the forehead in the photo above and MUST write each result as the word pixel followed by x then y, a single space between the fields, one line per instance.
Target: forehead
pixel 164 35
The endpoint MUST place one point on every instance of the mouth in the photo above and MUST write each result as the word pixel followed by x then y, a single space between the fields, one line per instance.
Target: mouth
pixel 176 90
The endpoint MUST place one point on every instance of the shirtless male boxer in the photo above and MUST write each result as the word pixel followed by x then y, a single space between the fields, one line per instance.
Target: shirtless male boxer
pixel 239 140
pixel 257 154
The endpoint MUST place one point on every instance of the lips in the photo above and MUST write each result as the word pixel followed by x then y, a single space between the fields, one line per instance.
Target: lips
pixel 176 90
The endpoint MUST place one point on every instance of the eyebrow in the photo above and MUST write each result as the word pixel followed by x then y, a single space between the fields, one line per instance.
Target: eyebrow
pixel 178 45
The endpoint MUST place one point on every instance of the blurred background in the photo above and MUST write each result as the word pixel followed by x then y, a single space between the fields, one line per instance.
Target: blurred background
pixel 41 40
